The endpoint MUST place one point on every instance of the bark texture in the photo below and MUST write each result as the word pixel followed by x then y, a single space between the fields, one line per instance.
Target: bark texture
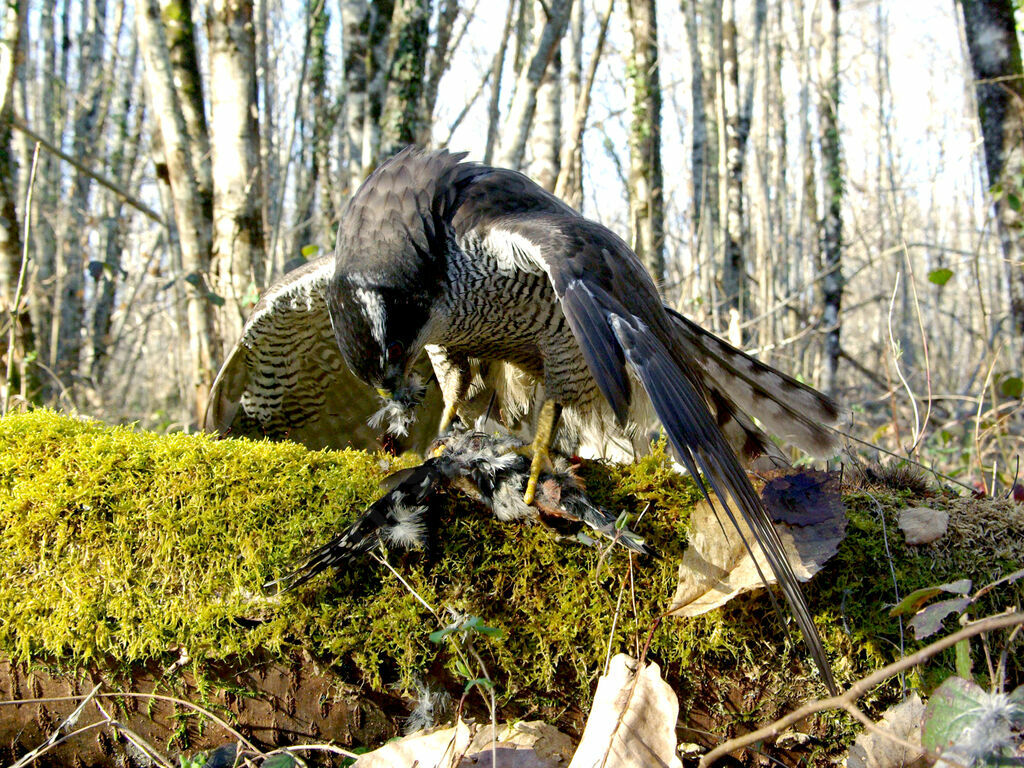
pixel 999 92
pixel 832 222
pixel 404 121
pixel 646 200
pixel 550 30
pixel 237 255
pixel 173 85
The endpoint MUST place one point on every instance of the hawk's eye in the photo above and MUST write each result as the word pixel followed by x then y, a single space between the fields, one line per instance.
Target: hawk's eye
pixel 395 350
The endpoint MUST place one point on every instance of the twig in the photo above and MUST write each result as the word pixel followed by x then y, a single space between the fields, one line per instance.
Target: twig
pixel 405 583
pixel 907 459
pixel 863 685
pixel 977 415
pixel 77 165
pixel 16 305
pixel 896 354
pixel 55 737
pixel 924 348
pixel 311 748
pixel 133 695
pixel 140 743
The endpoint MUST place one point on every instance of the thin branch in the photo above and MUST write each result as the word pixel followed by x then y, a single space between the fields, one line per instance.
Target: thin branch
pixel 101 180
pixel 862 686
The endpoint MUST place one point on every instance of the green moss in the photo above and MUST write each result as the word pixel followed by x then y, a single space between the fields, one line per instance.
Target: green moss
pixel 121 547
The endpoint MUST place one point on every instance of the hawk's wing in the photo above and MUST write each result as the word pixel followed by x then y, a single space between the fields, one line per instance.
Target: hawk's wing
pixel 613 308
pixel 286 379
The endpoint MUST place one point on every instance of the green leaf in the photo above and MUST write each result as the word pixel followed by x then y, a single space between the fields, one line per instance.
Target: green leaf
pixel 1012 387
pixel 280 760
pixel 958 707
pixel 441 634
pixel 462 669
pixel 192 278
pixel 213 298
pixel 483 682
pixel 912 603
pixel 963 659
pixel 1013 201
pixel 929 621
pixel 309 251
pixel 476 624
pixel 940 276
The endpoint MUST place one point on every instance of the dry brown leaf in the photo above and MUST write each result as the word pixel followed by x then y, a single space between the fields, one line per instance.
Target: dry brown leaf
pixel 524 744
pixel 902 723
pixel 435 749
pixel 717 567
pixel 630 726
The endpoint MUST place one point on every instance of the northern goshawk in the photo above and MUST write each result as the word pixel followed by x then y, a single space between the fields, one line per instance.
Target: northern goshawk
pixel 505 287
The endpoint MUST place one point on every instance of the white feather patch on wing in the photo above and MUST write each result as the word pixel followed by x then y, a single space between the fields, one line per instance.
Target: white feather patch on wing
pixel 513 252
pixel 409 530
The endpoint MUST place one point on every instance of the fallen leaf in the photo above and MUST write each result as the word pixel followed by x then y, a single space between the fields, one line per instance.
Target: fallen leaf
pixel 929 620
pixel 804 498
pixel 432 749
pixel 523 744
pixel 879 750
pixel 632 722
pixel 717 567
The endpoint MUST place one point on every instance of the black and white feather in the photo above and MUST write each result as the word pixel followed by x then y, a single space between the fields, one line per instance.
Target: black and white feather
pixel 491 469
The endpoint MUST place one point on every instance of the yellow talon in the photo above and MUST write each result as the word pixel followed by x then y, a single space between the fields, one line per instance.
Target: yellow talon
pixel 546 423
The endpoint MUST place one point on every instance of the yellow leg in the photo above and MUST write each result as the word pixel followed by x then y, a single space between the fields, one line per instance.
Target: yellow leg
pixel 546 424
pixel 447 417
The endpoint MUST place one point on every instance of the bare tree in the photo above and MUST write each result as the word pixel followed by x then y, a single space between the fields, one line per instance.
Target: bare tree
pixel 999 92
pixel 646 186
pixel 10 236
pixel 174 87
pixel 549 33
pixel 237 255
pixel 403 118
pixel 832 222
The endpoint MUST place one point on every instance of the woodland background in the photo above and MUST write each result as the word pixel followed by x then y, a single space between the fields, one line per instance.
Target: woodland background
pixel 833 184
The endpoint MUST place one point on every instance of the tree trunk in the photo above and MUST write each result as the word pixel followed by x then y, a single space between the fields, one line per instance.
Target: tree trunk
pixel 437 65
pixel 106 275
pixel 546 137
pixel 15 12
pixel 734 278
pixel 403 120
pixel 999 91
pixel 570 174
pixel 237 253
pixel 832 223
pixel 524 104
pixel 355 20
pixel 493 106
pixel 172 76
pixel 646 187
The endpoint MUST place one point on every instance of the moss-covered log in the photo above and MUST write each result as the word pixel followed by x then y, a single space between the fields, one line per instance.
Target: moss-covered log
pixel 136 561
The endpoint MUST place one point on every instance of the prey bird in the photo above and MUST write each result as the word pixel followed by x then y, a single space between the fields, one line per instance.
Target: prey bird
pixel 507 288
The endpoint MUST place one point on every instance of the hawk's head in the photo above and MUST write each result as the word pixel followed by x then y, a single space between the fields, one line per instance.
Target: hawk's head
pixel 390 266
